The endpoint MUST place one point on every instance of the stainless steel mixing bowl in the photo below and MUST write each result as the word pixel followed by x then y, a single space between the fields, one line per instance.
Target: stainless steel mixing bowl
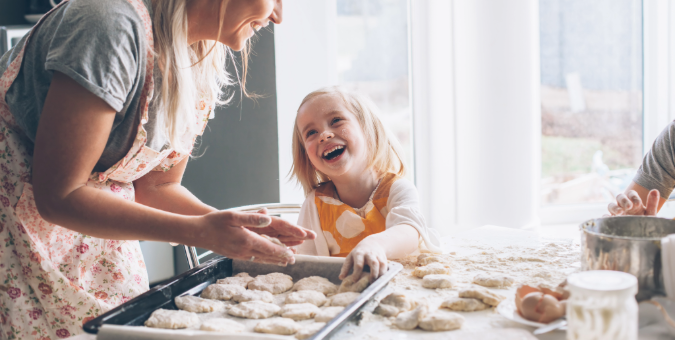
pixel 630 244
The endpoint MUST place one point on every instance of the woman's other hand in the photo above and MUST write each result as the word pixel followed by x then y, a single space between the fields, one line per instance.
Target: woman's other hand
pixel 369 252
pixel 630 203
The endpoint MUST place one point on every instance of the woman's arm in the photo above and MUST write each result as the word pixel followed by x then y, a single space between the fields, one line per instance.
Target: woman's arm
pixel 71 136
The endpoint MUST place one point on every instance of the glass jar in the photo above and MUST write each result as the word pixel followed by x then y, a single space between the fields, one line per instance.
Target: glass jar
pixel 602 306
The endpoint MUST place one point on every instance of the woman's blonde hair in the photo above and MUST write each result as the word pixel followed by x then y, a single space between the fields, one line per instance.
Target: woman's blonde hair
pixel 384 151
pixel 190 73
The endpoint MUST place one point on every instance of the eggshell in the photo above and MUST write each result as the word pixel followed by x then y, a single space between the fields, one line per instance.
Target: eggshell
pixel 540 307
pixel 521 292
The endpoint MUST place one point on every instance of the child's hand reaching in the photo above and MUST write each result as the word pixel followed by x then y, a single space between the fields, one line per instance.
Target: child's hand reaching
pixel 369 252
pixel 631 204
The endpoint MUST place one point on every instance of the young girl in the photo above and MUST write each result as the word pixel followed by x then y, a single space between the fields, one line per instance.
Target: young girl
pixel 358 202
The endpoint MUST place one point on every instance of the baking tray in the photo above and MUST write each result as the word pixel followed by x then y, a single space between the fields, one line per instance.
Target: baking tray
pixel 136 311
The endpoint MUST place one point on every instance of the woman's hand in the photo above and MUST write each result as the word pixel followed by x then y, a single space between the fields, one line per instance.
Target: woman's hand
pixel 630 203
pixel 369 252
pixel 227 233
pixel 288 233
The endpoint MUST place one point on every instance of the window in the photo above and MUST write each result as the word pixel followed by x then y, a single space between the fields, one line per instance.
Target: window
pixel 591 99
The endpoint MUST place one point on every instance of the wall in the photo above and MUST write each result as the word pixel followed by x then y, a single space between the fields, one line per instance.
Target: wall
pixel 12 11
pixel 240 162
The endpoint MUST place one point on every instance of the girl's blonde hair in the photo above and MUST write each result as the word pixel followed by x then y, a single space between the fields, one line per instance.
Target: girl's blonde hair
pixel 384 151
pixel 190 73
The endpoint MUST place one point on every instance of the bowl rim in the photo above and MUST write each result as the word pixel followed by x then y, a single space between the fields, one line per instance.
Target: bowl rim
pixel 583 228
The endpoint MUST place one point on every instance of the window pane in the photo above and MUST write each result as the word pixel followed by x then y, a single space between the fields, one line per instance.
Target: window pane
pixel 373 59
pixel 591 98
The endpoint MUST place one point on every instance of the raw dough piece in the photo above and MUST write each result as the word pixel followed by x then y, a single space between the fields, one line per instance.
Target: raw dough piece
pixel 394 304
pixel 198 305
pixel 410 319
pixel 275 283
pixel 493 281
pixel 222 325
pixel 254 310
pixel 441 321
pixel 316 283
pixel 299 311
pixel 433 268
pixel 221 291
pixel 464 304
pixel 433 281
pixel 342 299
pixel 241 279
pixel 281 326
pixel 253 295
pixel 308 331
pixel 425 259
pixel 482 294
pixel 328 314
pixel 350 284
pixel 172 319
pixel 306 296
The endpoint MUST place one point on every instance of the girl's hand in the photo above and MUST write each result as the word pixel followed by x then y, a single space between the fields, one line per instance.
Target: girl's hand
pixel 369 252
pixel 631 204
pixel 227 233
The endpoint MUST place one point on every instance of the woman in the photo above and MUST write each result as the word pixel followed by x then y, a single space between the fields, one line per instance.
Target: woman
pixel 100 107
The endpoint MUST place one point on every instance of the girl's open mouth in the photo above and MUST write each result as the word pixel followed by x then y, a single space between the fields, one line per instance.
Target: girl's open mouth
pixel 333 153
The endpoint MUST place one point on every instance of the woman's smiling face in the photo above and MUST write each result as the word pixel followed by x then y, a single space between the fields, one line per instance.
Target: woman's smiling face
pixel 332 137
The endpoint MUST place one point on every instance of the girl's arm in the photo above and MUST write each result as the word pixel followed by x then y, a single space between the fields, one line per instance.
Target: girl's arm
pixel 72 134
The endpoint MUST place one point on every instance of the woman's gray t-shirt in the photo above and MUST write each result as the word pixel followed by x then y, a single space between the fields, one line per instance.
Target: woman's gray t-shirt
pixel 102 46
pixel 658 166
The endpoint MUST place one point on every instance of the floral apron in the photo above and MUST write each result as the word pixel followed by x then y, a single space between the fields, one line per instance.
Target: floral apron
pixel 343 226
pixel 52 279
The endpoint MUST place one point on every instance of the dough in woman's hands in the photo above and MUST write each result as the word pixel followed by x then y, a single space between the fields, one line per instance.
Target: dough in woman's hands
pixel 316 283
pixel 273 240
pixel 275 283
pixel 482 294
pixel 253 295
pixel 342 299
pixel 306 296
pixel 328 314
pixel 441 321
pixel 308 331
pixel 394 304
pixel 172 319
pixel 493 281
pixel 425 259
pixel 222 325
pixel 198 305
pixel 410 319
pixel 433 281
pixel 352 284
pixel 281 326
pixel 222 291
pixel 254 310
pixel 241 279
pixel 300 311
pixel 433 268
pixel 464 304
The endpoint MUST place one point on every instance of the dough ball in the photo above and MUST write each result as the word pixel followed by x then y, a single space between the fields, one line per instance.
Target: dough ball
pixel 316 283
pixel 300 311
pixel 482 294
pixel 273 240
pixel 433 281
pixel 309 330
pixel 222 325
pixel 241 279
pixel 222 291
pixel 425 259
pixel 281 326
pixel 386 310
pixel 253 295
pixel 464 304
pixel 172 319
pixel 275 283
pixel 254 310
pixel 410 319
pixel 198 305
pixel 395 303
pixel 493 281
pixel 441 321
pixel 306 296
pixel 351 284
pixel 328 314
pixel 342 299
pixel 432 268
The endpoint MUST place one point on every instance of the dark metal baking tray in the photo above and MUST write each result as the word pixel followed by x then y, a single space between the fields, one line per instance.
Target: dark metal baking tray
pixel 136 311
